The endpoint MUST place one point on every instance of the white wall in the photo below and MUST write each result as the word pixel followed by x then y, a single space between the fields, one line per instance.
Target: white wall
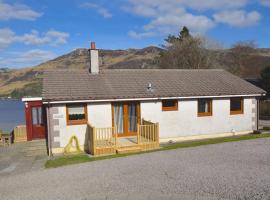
pixel 99 115
pixel 185 121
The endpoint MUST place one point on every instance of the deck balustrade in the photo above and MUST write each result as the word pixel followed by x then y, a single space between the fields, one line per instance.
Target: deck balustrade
pixel 105 141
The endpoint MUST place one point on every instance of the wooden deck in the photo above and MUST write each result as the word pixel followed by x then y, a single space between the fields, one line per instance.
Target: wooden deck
pixel 104 141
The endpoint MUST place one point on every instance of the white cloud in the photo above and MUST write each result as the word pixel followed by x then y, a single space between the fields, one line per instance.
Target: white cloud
pixel 99 9
pixel 17 11
pixel 6 37
pixel 52 37
pixel 238 18
pixel 28 58
pixel 265 2
pixel 146 7
pixel 136 35
pixel 167 17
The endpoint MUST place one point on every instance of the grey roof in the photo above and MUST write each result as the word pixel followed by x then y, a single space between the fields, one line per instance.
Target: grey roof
pixel 124 84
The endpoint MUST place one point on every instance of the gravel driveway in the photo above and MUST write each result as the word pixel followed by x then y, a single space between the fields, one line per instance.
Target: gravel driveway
pixel 237 170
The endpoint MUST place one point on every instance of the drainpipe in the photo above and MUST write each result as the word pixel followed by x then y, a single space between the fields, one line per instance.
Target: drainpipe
pixel 258 113
pixel 49 130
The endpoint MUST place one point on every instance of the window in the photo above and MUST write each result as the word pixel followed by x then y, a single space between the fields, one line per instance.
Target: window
pixel 237 106
pixel 169 105
pixel 37 116
pixel 204 107
pixel 76 114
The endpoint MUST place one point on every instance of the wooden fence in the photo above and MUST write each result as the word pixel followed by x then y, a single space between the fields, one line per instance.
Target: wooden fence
pixel 104 141
pixel 20 133
pixel 148 135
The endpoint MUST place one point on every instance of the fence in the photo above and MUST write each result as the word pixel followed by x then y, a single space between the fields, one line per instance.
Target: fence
pixel 20 133
pixel 105 141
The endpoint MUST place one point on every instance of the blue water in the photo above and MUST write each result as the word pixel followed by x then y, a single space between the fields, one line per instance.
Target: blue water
pixel 11 114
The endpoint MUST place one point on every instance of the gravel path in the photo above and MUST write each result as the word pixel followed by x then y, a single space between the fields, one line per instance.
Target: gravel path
pixel 237 170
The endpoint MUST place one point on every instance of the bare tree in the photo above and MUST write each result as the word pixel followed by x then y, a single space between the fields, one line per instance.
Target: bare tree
pixel 240 54
pixel 188 52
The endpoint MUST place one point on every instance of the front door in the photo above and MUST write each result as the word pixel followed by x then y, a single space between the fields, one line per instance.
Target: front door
pixel 126 116
pixel 35 120
pixel 38 128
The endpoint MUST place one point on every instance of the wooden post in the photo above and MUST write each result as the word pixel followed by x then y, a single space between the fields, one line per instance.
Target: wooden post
pixel 138 133
pixel 116 135
pixel 157 125
pixel 94 141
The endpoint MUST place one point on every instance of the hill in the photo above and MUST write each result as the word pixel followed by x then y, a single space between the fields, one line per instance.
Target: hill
pixel 27 81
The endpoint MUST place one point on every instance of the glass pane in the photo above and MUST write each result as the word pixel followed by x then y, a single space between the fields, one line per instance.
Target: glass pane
pixel 236 104
pixel 76 113
pixel 203 106
pixel 40 122
pixel 168 103
pixel 34 116
pixel 119 118
pixel 132 117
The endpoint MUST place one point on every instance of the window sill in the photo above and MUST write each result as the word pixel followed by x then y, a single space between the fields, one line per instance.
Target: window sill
pixel 71 123
pixel 204 114
pixel 236 113
pixel 169 109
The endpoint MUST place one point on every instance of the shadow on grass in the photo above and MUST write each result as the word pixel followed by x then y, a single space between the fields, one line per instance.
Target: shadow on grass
pixel 82 158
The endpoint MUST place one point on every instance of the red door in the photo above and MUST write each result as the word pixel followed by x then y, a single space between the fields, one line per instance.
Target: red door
pixel 35 120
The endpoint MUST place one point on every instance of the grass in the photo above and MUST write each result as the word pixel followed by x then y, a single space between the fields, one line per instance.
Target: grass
pixel 82 158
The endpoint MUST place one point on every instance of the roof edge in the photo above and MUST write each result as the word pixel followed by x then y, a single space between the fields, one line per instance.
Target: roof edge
pixel 145 99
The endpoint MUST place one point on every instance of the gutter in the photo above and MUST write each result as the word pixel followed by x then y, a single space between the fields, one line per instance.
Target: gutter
pixel 49 129
pixel 148 99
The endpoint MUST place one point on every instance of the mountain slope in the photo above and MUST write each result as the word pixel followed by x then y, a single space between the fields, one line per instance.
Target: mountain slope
pixel 27 81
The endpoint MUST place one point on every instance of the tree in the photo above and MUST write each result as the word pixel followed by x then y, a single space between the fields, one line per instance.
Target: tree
pixel 265 79
pixel 187 52
pixel 183 34
pixel 240 54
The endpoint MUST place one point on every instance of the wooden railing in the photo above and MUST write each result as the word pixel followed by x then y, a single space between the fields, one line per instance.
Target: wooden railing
pixel 105 141
pixel 102 140
pixel 20 133
pixel 148 135
pixel 91 141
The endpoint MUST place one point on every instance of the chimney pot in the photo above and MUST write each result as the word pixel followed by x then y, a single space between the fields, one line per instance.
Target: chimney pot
pixel 93 45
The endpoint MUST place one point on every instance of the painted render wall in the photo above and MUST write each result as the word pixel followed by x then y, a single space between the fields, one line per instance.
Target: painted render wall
pixel 185 121
pixel 173 124
pixel 99 115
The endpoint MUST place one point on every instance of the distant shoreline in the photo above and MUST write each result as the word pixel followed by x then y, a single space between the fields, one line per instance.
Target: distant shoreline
pixel 9 99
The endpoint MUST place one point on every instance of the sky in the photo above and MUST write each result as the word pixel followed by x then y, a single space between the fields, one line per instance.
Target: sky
pixel 34 31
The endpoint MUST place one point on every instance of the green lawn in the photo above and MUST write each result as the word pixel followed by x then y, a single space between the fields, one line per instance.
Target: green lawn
pixel 74 159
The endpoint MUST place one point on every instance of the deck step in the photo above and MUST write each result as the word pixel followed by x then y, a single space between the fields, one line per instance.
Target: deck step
pixel 35 148
pixel 124 150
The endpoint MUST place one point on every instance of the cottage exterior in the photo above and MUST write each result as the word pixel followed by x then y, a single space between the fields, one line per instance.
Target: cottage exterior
pixel 187 104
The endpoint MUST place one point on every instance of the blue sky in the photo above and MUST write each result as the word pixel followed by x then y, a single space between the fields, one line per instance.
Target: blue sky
pixel 34 31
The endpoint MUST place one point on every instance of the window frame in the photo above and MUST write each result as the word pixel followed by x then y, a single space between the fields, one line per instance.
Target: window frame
pixel 77 122
pixel 210 105
pixel 237 112
pixel 172 108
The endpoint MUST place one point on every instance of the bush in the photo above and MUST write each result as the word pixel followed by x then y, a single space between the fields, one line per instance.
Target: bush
pixel 265 108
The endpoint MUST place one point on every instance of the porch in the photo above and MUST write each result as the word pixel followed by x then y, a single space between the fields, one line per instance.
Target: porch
pixel 105 141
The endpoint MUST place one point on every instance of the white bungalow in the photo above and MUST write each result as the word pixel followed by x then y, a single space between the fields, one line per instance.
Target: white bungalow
pixel 114 108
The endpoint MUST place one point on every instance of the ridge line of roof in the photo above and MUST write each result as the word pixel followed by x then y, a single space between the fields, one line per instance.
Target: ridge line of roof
pixel 127 70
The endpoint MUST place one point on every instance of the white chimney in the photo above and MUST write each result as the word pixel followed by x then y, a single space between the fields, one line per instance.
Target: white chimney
pixel 94 60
